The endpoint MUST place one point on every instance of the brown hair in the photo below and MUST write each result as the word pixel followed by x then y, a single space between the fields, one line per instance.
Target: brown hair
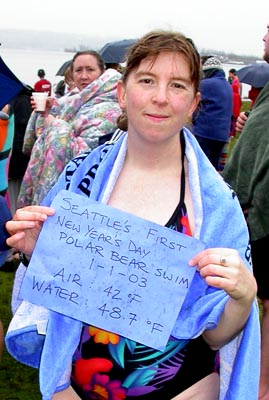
pixel 93 53
pixel 154 43
pixel 68 74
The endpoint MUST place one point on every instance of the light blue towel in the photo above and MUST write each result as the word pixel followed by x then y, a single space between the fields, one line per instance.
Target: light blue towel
pixel 219 223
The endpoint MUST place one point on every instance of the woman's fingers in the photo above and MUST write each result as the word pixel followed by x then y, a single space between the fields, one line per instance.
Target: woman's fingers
pixel 25 227
pixel 33 213
pixel 224 269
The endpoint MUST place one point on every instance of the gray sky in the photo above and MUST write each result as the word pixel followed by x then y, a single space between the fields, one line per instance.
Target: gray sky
pixel 232 26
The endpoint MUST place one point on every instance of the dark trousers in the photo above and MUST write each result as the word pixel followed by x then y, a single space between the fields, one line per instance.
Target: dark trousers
pixel 259 252
pixel 212 149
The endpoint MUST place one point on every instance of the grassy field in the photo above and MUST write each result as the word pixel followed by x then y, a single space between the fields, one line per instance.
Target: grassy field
pixel 245 105
pixel 17 381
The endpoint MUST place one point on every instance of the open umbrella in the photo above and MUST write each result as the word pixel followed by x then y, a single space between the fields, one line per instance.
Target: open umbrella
pixel 114 52
pixel 62 69
pixel 255 75
pixel 10 85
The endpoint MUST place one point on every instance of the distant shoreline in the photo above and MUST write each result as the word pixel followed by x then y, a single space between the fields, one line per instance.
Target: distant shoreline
pixel 59 41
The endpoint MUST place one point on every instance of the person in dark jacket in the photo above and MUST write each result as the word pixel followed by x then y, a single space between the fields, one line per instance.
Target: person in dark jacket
pixel 5 216
pixel 247 172
pixel 212 121
pixel 22 109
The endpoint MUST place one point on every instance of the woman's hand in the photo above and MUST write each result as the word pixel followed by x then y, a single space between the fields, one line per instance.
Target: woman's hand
pixel 49 103
pixel 25 227
pixel 241 120
pixel 48 118
pixel 223 268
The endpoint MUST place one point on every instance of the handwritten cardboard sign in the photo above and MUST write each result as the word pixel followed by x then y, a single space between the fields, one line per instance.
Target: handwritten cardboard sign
pixel 110 269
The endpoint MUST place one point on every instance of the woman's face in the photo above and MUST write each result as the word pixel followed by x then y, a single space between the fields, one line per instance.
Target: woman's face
pixel 85 70
pixel 158 97
pixel 266 45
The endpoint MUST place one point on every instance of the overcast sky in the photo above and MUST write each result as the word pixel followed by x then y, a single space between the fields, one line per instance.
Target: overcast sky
pixel 232 26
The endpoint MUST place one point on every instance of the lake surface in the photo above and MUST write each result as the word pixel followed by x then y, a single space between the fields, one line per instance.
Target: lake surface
pixel 25 63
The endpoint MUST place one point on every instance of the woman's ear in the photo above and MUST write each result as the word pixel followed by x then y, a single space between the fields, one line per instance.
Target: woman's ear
pixel 121 94
pixel 195 103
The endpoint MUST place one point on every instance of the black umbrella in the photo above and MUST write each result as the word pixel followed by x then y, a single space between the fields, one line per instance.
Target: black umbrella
pixel 255 75
pixel 10 85
pixel 115 52
pixel 62 69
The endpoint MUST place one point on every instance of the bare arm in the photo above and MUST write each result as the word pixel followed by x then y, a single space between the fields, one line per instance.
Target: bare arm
pixel 67 394
pixel 223 268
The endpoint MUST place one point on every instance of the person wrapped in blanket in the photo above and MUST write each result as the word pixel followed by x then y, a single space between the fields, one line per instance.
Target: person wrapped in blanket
pixel 157 171
pixel 70 125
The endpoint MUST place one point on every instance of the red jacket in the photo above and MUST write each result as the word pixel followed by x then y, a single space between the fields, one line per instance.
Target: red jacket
pixel 43 85
pixel 237 102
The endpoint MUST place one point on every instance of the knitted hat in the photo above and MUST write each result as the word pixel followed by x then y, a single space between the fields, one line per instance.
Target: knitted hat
pixel 212 63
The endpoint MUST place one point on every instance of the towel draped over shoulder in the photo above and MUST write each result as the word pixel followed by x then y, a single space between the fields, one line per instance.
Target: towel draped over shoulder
pixel 219 223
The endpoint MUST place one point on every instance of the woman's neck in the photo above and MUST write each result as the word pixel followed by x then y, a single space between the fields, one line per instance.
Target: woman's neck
pixel 146 155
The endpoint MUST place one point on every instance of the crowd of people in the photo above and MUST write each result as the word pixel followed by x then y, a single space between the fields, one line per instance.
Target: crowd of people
pixel 149 140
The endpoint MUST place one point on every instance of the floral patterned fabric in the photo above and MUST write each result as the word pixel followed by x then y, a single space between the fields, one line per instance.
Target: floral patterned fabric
pixel 109 367
pixel 35 125
pixel 81 119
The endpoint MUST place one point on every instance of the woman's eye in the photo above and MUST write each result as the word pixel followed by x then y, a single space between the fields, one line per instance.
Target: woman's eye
pixel 178 85
pixel 146 80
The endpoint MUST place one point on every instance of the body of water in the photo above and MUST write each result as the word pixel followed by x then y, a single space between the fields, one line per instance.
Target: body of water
pixel 25 63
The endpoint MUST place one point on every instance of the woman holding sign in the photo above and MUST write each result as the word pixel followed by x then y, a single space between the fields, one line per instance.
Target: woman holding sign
pixel 155 171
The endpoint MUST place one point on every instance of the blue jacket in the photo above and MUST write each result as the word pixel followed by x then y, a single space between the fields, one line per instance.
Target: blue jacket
pixel 213 118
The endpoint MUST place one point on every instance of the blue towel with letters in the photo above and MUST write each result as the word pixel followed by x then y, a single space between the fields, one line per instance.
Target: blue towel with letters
pixel 47 340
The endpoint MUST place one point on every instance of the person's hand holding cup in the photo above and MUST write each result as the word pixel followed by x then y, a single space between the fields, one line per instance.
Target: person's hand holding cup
pixel 40 99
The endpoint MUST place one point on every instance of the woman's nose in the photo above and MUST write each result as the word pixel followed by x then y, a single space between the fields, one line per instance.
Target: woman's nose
pixel 84 74
pixel 160 95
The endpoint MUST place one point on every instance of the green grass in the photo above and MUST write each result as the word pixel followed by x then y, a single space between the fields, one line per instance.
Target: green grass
pixel 17 381
pixel 245 105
